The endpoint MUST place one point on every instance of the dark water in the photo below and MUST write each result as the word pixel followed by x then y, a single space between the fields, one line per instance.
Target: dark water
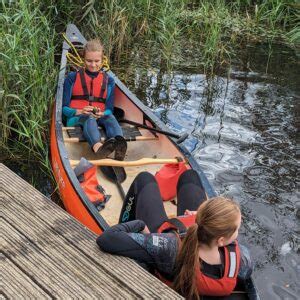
pixel 242 127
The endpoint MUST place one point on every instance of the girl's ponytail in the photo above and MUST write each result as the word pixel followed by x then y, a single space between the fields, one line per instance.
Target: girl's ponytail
pixel 186 261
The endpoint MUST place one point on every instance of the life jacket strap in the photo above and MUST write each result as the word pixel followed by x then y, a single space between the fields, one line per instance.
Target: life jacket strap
pixel 83 82
pixel 88 98
pixel 173 224
pixel 181 228
pixel 104 85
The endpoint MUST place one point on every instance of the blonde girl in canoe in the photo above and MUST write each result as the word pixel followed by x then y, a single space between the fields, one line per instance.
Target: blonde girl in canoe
pixel 88 102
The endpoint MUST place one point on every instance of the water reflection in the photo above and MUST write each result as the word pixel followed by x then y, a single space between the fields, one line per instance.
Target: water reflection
pixel 243 133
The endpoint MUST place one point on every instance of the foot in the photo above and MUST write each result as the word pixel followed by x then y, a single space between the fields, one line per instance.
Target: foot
pixel 97 146
pixel 107 148
pixel 120 151
pixel 121 148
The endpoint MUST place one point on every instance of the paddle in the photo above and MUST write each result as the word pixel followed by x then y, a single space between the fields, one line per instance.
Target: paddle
pixel 180 138
pixel 133 163
pixel 120 152
pixel 115 175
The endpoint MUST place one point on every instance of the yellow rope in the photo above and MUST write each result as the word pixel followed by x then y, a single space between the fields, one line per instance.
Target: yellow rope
pixel 77 60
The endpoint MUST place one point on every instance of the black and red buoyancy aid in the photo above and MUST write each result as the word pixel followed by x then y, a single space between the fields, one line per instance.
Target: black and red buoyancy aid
pixel 89 91
pixel 207 285
pixel 222 286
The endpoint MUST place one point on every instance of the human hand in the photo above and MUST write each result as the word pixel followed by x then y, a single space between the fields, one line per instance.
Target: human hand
pixel 88 110
pixel 190 212
pixel 145 230
pixel 98 114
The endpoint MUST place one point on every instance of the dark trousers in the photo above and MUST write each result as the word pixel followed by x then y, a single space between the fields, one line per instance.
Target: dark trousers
pixel 143 200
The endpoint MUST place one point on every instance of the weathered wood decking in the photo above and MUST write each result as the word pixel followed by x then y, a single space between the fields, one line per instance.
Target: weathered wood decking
pixel 46 253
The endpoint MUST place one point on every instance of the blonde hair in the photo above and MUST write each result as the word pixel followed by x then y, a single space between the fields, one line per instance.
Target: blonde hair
pixel 92 46
pixel 215 218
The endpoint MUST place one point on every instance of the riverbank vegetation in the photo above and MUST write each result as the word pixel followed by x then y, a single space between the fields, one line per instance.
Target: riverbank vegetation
pixel 204 34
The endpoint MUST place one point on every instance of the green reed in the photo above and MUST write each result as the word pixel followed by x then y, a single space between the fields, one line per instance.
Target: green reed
pixel 146 32
pixel 28 73
pixel 213 26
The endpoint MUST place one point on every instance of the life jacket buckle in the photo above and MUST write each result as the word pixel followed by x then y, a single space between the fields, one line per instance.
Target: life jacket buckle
pixel 91 98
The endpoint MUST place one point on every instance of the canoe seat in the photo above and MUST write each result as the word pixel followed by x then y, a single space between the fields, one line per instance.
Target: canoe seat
pixel 75 134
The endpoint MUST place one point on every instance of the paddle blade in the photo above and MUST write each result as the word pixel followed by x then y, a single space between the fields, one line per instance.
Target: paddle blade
pixel 114 174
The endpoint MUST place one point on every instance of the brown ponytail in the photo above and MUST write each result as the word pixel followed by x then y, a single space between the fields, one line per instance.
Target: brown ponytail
pixel 187 260
pixel 215 218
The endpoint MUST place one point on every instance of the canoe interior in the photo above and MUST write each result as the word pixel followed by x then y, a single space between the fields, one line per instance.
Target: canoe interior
pixel 161 147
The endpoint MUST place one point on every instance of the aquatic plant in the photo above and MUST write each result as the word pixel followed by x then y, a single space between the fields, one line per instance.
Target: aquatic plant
pixel 213 28
pixel 28 73
pixel 203 34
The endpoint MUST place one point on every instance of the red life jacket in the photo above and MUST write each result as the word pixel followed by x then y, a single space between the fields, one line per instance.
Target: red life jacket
pixel 206 285
pixel 89 91
pixel 223 286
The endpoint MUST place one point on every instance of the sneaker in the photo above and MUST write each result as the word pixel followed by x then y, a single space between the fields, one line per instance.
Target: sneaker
pixel 121 148
pixel 120 151
pixel 107 148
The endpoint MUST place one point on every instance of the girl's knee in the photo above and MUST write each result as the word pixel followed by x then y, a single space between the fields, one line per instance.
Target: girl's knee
pixel 91 121
pixel 189 176
pixel 145 177
pixel 109 119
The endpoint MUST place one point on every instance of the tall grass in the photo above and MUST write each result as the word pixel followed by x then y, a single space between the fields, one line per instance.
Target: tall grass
pixel 213 27
pixel 160 32
pixel 28 79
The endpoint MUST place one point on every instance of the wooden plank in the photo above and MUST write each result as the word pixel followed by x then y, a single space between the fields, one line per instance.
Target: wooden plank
pixel 49 253
pixel 71 276
pixel 17 280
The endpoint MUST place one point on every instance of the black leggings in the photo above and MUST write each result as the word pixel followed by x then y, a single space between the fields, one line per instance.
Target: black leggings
pixel 143 200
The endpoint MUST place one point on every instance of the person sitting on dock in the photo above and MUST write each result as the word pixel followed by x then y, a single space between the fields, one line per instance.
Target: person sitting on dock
pixel 159 244
pixel 88 101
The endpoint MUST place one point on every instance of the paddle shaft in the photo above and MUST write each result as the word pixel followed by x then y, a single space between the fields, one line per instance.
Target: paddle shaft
pixel 174 135
pixel 114 175
pixel 140 162
pixel 121 190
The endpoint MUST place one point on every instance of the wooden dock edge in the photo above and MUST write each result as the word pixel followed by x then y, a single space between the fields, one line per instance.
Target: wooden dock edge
pixel 46 253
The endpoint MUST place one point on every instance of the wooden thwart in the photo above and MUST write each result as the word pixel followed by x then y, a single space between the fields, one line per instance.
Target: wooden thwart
pixel 75 134
pixel 133 163
pixel 137 138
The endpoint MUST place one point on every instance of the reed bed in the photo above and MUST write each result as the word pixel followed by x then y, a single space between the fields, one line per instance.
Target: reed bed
pixel 149 32
pixel 28 79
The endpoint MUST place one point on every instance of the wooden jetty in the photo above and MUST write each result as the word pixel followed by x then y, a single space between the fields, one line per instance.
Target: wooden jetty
pixel 46 253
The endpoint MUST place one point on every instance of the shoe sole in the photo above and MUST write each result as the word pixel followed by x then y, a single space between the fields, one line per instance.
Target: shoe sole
pixel 107 148
pixel 120 149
